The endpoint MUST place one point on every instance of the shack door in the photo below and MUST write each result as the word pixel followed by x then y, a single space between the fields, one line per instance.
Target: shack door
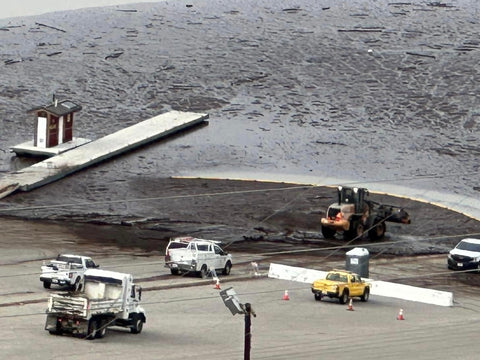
pixel 67 127
pixel 52 131
pixel 40 139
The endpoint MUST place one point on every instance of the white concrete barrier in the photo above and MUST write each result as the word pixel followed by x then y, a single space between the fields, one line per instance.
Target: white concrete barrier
pixel 412 293
pixel 293 273
pixel 380 288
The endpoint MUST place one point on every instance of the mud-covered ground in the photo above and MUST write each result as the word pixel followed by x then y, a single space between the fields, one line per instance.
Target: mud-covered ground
pixel 244 215
pixel 370 91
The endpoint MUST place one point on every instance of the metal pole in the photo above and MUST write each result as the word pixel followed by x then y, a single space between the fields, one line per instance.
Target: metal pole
pixel 248 334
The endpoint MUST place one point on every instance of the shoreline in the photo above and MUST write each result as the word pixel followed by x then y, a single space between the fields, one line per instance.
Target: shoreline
pixel 449 201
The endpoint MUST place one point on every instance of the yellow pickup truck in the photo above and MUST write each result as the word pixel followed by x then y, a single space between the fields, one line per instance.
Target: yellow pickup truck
pixel 342 285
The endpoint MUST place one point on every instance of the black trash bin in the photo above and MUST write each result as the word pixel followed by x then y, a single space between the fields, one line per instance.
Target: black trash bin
pixel 357 261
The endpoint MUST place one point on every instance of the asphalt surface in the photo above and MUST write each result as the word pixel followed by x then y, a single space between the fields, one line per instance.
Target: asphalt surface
pixel 187 319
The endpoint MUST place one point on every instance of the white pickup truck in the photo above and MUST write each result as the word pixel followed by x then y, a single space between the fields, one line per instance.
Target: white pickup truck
pixel 66 270
pixel 188 254
pixel 108 299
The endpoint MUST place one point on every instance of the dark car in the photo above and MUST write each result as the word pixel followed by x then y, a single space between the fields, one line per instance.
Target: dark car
pixel 465 256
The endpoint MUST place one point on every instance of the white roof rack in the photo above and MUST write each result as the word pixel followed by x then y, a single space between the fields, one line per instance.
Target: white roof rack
pixel 188 239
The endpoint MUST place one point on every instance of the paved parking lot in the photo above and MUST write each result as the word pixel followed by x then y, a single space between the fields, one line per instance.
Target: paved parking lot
pixel 186 321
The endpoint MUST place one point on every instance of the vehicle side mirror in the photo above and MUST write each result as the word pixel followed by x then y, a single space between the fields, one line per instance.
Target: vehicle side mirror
pixel 96 265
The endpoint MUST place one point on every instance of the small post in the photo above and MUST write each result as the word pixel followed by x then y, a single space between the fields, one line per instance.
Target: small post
pixel 248 334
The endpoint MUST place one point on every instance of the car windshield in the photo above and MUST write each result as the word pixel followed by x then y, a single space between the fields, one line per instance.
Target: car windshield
pixel 464 245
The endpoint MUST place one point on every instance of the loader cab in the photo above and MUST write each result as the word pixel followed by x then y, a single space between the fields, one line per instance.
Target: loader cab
pixel 355 196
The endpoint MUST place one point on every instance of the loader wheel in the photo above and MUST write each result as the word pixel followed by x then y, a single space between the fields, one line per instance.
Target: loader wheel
pixel 355 231
pixel 328 233
pixel 378 232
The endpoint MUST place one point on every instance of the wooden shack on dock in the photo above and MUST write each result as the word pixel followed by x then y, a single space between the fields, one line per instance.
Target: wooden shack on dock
pixel 54 123
pixel 52 130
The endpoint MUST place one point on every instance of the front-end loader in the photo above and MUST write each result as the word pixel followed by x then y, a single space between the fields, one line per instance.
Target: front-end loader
pixel 354 215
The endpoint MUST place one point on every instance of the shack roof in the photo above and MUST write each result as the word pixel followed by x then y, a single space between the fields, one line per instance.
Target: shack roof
pixel 59 108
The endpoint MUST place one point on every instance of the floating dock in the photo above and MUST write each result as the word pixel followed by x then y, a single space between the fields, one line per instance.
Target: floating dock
pixel 124 140
pixel 29 149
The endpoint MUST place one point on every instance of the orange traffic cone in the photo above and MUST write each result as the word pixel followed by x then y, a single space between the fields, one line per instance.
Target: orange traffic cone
pixel 400 315
pixel 285 296
pixel 350 305
pixel 217 285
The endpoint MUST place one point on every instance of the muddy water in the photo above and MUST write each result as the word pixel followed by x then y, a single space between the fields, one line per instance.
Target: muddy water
pixel 373 92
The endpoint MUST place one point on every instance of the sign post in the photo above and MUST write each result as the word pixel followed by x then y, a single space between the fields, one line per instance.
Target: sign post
pixel 232 302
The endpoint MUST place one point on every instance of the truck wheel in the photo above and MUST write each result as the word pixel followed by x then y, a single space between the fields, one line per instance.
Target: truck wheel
pixel 204 272
pixel 78 285
pixel 378 231
pixel 227 268
pixel 101 329
pixel 328 233
pixel 58 329
pixel 344 297
pixel 137 325
pixel 47 284
pixel 318 297
pixel 92 329
pixel 366 295
pixel 174 271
